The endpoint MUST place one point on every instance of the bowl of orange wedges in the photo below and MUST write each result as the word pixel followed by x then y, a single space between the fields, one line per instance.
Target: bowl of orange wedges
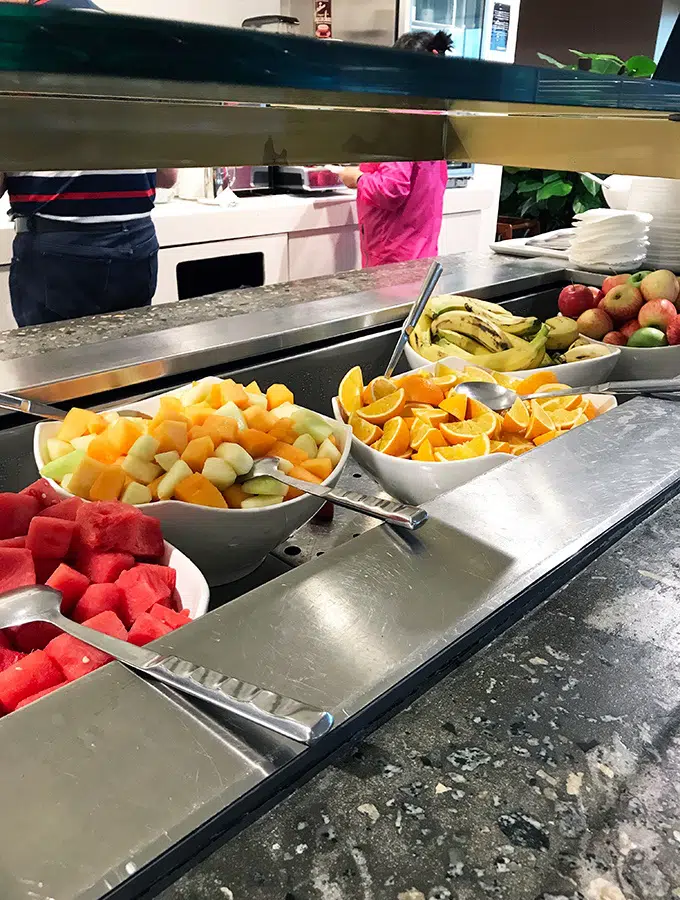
pixel 419 438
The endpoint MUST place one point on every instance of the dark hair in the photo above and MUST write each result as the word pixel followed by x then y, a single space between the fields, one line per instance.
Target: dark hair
pixel 425 42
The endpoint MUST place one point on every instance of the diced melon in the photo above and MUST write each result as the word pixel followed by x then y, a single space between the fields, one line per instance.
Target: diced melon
pixel 66 480
pixel 239 459
pixel 328 450
pixel 217 428
pixel 307 422
pixel 64 465
pixel 136 494
pixel 76 424
pixel 231 410
pixel 285 465
pixel 84 476
pixel 307 443
pixel 145 448
pixel 108 485
pixel 141 470
pixel 172 435
pixel 167 460
pixel 56 448
pixel 110 417
pixel 167 484
pixel 257 400
pixel 265 485
pixel 123 433
pixel 82 443
pixel 102 449
pixel 278 395
pixel 260 502
pixel 197 489
pixel 219 473
pixel 197 451
pixel 253 388
pixel 285 411
pixel 196 394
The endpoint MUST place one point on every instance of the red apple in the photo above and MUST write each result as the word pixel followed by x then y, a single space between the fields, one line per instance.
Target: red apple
pixel 673 331
pixel 594 323
pixel 660 285
pixel 615 337
pixel 575 299
pixel 657 313
pixel 614 281
pixel 623 302
pixel 629 328
pixel 597 294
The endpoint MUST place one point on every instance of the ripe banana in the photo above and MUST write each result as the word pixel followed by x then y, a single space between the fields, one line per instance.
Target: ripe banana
pixel 481 329
pixel 460 340
pixel 513 360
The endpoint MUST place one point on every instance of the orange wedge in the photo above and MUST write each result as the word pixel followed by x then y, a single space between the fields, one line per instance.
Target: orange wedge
pixel 544 438
pixel 421 390
pixel 434 416
pixel 478 446
pixel 473 373
pixel 553 403
pixel 455 405
pixel 589 410
pixel 565 419
pixel 396 437
pixel 413 405
pixel 364 431
pixel 386 408
pixel 425 453
pixel 420 431
pixel 516 419
pixel 378 388
pixel 506 380
pixel 582 419
pixel 350 390
pixel 476 409
pixel 445 382
pixel 499 447
pixel 461 432
pixel 519 449
pixel 539 422
pixel 536 380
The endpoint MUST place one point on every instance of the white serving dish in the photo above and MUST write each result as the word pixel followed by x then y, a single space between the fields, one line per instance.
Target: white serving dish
pixel 192 588
pixel 635 363
pixel 417 482
pixel 576 374
pixel 225 544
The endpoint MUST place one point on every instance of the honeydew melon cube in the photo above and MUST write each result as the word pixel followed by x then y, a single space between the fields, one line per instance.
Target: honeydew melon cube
pixel 285 411
pixel 145 448
pixel 136 494
pixel 57 448
pixel 257 400
pixel 328 450
pixel 266 486
pixel 66 480
pixel 307 422
pixel 239 459
pixel 219 473
pixel 64 465
pixel 197 393
pixel 82 443
pixel 260 502
pixel 140 469
pixel 167 460
pixel 285 465
pixel 177 474
pixel 231 409
pixel 306 443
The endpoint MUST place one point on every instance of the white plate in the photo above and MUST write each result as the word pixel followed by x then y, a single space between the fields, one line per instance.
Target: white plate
pixel 193 590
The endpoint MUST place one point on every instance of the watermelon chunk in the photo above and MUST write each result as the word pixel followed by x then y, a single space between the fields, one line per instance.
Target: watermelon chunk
pixel 38 696
pixel 9 658
pixel 168 574
pixel 119 527
pixel 168 616
pixel 16 512
pixel 108 623
pixel 5 643
pixel 72 585
pixel 147 628
pixel 16 568
pixel 32 635
pixel 76 658
pixel 44 569
pixel 98 598
pixel 43 492
pixel 64 509
pixel 142 587
pixel 50 538
pixel 15 542
pixel 32 674
pixel 103 568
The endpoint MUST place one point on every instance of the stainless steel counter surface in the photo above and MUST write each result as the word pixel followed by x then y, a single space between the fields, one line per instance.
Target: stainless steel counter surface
pixel 104 776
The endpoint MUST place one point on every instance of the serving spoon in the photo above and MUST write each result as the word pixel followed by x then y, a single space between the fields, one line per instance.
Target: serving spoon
pixel 498 398
pixel 43 411
pixel 389 511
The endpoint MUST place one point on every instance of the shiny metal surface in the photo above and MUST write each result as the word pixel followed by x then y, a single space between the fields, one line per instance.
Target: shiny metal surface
pixel 64 375
pixel 426 291
pixel 130 772
pixel 31 408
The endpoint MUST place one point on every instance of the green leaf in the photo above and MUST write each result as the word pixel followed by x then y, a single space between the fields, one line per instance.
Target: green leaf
pixel 591 186
pixel 604 66
pixel 528 187
pixel 512 170
pixel 609 56
pixel 640 67
pixel 553 62
pixel 507 189
pixel 579 207
pixel 528 208
pixel 549 177
pixel 554 189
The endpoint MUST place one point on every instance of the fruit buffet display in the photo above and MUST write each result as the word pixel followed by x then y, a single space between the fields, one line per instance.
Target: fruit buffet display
pixel 196 449
pixel 488 335
pixel 419 416
pixel 630 311
pixel 105 559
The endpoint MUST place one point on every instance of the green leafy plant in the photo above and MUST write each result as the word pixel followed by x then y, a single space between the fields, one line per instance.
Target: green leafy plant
pixel 551 197
pixel 606 64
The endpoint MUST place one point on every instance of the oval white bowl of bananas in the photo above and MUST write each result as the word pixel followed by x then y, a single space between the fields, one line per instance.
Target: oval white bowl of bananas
pixel 489 336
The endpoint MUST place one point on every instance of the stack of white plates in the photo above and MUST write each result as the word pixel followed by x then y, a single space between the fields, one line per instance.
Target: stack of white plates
pixel 661 198
pixel 609 239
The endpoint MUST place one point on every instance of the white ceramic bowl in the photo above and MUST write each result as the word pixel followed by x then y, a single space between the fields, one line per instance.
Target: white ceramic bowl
pixel 417 482
pixel 193 590
pixel 576 374
pixel 635 363
pixel 225 544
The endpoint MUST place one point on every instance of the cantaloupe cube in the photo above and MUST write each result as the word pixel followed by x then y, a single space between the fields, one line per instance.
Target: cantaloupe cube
pixel 284 431
pixel 169 414
pixel 101 423
pixel 278 394
pixel 330 451
pixel 167 485
pixel 286 451
pixel 172 435
pixel 102 449
pixel 169 403
pixel 322 468
pixel 197 414
pixel 302 475
pixel 231 411
pixel 197 489
pixel 235 495
pixel 109 484
pixel 122 434
pixel 197 451
pixel 77 423
pixel 84 476
pixel 215 396
pixel 259 418
pixel 141 470
pixel 234 393
pixel 217 428
pixel 257 443
pixel 153 486
pixel 254 388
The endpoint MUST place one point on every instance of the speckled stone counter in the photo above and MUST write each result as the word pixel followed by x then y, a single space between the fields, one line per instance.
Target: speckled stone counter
pixel 547 767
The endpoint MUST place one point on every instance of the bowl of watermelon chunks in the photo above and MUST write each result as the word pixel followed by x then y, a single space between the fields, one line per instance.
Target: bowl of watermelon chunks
pixel 116 575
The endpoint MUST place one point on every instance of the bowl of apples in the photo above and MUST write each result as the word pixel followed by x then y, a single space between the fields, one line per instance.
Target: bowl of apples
pixel 187 466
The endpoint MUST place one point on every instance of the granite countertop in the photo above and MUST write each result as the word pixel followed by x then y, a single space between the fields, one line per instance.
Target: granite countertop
pixel 545 768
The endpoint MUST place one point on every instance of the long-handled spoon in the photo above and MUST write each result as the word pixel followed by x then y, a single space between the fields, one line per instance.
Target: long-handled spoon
pixel 43 411
pixel 426 291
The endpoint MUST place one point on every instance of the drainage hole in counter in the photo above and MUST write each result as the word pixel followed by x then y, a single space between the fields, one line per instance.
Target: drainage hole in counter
pixel 292 551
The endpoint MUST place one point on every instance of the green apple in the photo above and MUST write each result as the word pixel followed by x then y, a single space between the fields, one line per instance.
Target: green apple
pixel 637 279
pixel 647 337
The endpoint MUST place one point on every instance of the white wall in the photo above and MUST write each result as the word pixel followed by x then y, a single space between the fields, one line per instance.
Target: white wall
pixel 209 12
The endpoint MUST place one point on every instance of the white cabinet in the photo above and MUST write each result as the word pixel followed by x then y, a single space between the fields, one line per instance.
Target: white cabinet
pixel 323 252
pixel 460 232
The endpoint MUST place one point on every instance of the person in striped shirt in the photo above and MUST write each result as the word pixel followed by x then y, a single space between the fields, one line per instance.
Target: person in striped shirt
pixel 85 242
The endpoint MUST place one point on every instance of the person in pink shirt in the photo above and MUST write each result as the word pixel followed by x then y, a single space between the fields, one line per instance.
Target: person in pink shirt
pixel 400 204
